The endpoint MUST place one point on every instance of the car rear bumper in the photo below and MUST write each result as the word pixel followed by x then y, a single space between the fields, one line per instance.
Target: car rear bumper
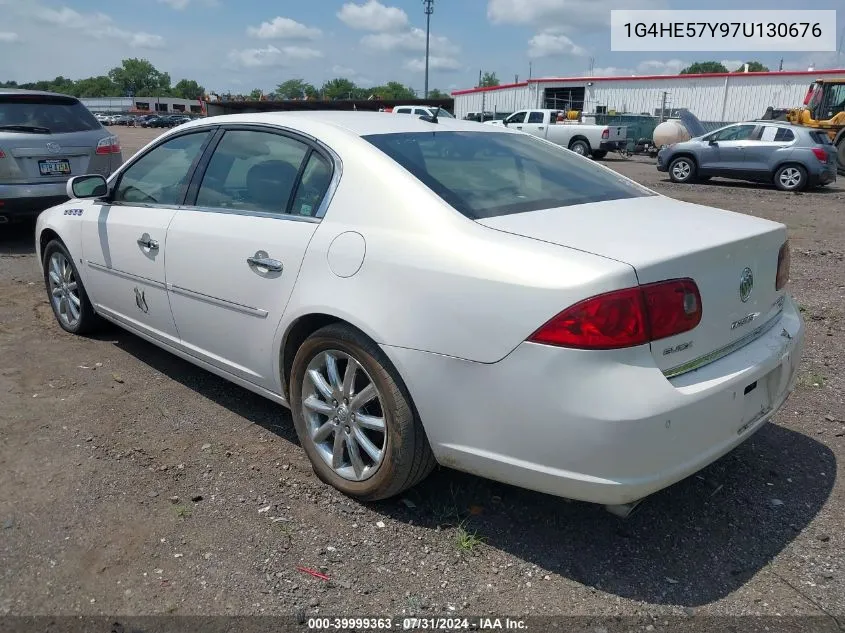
pixel 602 427
pixel 30 199
pixel 612 146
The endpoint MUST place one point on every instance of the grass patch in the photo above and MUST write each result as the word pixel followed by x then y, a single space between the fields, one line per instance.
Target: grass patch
pixel 182 511
pixel 465 540
pixel 812 380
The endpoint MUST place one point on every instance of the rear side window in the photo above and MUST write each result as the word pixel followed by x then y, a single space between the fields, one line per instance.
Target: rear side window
pixel 402 111
pixel 45 114
pixel 535 117
pixel 488 174
pixel 784 135
pixel 821 138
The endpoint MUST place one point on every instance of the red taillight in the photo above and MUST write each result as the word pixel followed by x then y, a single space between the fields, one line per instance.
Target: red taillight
pixel 625 318
pixel 820 154
pixel 108 145
pixel 605 133
pixel 2 155
pixel 784 261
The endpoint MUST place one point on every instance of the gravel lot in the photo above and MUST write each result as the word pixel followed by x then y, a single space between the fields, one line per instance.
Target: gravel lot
pixel 134 483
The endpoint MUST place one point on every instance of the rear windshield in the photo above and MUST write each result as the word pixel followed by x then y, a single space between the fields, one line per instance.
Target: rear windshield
pixel 488 174
pixel 45 114
pixel 821 138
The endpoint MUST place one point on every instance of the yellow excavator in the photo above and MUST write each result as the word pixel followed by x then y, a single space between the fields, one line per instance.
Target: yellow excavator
pixel 823 109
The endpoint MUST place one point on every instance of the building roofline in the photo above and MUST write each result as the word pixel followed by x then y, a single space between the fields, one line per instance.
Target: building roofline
pixel 542 80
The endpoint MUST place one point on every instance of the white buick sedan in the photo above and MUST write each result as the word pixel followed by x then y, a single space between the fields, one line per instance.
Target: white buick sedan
pixel 424 291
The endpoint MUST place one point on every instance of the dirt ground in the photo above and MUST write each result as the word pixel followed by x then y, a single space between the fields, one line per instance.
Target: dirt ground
pixel 134 483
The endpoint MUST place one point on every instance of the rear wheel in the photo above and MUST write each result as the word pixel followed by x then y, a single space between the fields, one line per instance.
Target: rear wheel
pixel 580 147
pixel 791 178
pixel 682 170
pixel 354 417
pixel 840 157
pixel 599 154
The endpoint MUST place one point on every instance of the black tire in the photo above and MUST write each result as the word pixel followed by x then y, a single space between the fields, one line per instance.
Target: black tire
pixel 87 321
pixel 791 177
pixel 581 147
pixel 407 455
pixel 599 154
pixel 840 157
pixel 703 178
pixel 683 170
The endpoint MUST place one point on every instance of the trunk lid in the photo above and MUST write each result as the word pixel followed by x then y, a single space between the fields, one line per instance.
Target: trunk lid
pixel 616 133
pixel 666 239
pixel 36 158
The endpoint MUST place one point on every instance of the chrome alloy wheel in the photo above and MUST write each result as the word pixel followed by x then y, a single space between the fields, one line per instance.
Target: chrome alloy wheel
pixel 64 290
pixel 681 169
pixel 344 415
pixel 790 177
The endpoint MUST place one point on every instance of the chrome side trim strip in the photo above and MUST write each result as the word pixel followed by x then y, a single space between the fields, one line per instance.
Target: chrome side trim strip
pixel 723 351
pixel 256 312
pixel 119 273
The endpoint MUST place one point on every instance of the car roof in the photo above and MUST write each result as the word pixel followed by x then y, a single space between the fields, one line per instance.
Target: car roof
pixel 351 122
pixel 42 93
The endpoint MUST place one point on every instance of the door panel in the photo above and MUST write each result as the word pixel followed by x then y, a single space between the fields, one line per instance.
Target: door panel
pixel 233 260
pixel 759 155
pixel 725 150
pixel 124 240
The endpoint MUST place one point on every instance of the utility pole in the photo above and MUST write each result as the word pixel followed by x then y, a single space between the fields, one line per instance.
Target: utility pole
pixel 479 78
pixel 781 64
pixel 429 9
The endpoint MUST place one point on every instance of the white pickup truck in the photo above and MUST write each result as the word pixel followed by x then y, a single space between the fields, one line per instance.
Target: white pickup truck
pixel 582 138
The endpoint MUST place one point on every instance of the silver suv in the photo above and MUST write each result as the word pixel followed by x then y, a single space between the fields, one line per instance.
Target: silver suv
pixel 46 138
pixel 790 157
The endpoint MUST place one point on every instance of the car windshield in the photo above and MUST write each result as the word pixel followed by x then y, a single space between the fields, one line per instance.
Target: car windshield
pixel 488 174
pixel 47 113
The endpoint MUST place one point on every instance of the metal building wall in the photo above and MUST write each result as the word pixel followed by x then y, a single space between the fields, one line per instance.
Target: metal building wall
pixel 733 98
pixel 506 99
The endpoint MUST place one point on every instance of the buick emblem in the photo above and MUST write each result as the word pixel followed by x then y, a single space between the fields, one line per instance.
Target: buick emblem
pixel 54 148
pixel 746 284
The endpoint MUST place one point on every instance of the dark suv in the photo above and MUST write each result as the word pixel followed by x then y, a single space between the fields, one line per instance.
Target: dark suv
pixel 45 138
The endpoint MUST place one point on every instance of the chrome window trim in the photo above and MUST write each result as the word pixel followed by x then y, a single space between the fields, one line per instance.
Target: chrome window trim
pixel 720 353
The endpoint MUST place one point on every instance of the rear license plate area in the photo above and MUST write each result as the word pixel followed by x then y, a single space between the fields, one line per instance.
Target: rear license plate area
pixel 757 397
pixel 54 167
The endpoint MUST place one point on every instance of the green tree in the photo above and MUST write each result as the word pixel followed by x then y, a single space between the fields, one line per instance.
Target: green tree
pixel 489 80
pixel 393 91
pixel 139 77
pixel 188 89
pixel 256 94
pixel 699 68
pixel 753 67
pixel 100 86
pixel 295 89
pixel 338 89
pixel 437 94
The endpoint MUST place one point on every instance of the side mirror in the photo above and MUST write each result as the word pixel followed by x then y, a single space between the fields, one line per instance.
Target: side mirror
pixel 712 142
pixel 91 186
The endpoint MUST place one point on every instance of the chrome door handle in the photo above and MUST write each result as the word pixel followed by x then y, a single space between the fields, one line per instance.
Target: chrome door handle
pixel 262 260
pixel 147 242
pixel 541 128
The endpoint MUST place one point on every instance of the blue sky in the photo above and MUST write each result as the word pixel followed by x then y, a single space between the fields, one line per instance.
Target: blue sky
pixel 238 45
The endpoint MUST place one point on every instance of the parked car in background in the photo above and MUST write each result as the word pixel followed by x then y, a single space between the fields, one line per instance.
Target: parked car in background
pixel 585 139
pixel 45 138
pixel 101 117
pixel 421 291
pixel 788 156
pixel 154 121
pixel 177 119
pixel 422 111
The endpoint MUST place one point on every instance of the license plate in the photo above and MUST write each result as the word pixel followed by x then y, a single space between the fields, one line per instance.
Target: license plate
pixel 57 167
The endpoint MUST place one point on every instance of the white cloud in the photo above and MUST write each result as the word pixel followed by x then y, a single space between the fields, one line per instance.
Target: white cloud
pixel 372 16
pixel 412 41
pixel 7 37
pixel 272 56
pixel 568 14
pixel 181 5
pixel 551 44
pixel 654 67
pixel 816 61
pixel 434 63
pixel 284 29
pixel 96 25
pixel 351 73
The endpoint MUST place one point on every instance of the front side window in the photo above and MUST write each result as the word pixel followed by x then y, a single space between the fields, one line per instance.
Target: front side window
pixel 485 175
pixel 733 133
pixel 516 117
pixel 254 171
pixel 161 175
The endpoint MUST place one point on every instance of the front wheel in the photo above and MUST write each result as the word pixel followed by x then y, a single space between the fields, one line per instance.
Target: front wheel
pixel 70 303
pixel 791 178
pixel 354 417
pixel 682 170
